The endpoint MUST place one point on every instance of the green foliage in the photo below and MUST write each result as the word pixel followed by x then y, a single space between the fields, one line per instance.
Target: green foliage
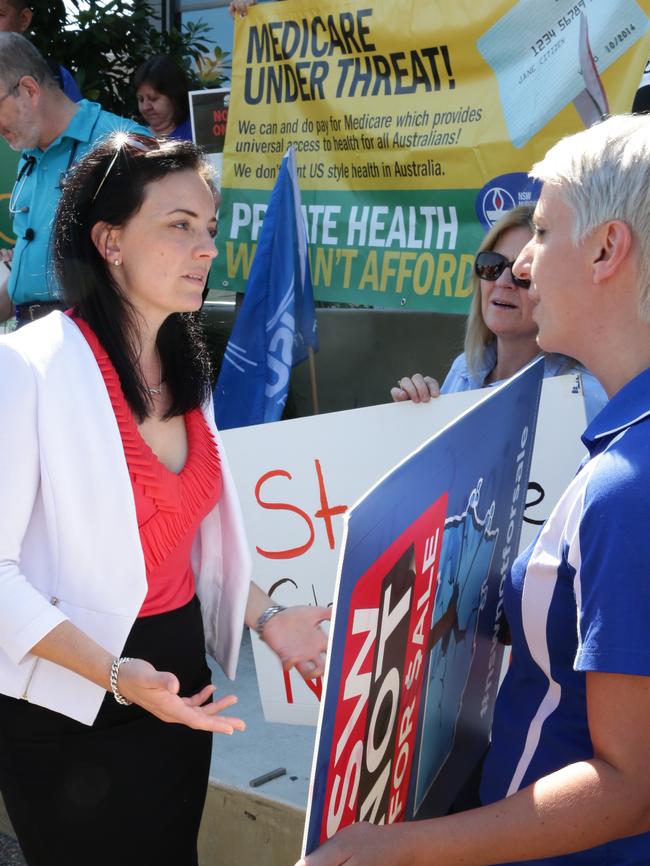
pixel 102 42
pixel 213 68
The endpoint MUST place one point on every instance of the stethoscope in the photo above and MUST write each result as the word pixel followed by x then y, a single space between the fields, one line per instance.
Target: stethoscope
pixel 25 171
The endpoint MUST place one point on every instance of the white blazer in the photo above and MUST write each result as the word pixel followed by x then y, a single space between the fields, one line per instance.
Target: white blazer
pixel 69 541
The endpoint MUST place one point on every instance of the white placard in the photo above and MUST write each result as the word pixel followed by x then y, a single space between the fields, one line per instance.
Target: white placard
pixel 296 478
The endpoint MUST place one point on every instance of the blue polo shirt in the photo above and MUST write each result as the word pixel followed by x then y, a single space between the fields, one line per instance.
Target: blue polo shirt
pixel 36 194
pixel 461 378
pixel 578 600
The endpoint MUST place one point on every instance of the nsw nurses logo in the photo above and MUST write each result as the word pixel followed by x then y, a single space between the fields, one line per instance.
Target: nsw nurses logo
pixel 501 194
pixel 495 203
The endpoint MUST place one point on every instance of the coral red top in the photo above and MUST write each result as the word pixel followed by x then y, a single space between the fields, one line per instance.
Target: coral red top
pixel 169 507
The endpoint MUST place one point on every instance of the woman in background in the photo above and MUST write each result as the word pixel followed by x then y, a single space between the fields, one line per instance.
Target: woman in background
pixel 161 88
pixel 500 335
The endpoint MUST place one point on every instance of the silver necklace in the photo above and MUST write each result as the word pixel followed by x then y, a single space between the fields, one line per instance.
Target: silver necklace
pixel 159 387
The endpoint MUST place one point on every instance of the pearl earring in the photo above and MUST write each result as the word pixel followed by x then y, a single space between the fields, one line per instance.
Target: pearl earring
pixel 117 263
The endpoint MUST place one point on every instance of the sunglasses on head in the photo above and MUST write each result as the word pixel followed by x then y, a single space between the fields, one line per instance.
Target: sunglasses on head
pixel 489 266
pixel 127 142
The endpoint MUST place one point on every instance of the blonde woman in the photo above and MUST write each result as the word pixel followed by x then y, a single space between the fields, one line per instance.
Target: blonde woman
pixel 500 336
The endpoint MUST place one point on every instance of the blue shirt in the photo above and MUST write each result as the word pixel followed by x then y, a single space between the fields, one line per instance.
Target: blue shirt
pixel 36 194
pixel 183 131
pixel 578 600
pixel 461 378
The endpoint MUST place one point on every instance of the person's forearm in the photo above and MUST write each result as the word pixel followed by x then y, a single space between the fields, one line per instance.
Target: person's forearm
pixel 294 635
pixel 68 646
pixel 139 682
pixel 258 602
pixel 578 807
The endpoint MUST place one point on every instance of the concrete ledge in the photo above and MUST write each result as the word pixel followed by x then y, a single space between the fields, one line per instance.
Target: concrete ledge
pixel 5 823
pixel 240 829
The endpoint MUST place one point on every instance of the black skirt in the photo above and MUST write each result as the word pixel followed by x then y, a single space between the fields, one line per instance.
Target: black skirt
pixel 127 791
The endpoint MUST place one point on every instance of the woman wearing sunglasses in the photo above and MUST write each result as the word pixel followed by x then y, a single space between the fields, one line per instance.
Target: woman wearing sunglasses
pixel 500 335
pixel 122 549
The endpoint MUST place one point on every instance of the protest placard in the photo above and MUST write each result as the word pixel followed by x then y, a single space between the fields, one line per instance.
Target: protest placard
pixel 414 648
pixel 296 479
pixel 209 118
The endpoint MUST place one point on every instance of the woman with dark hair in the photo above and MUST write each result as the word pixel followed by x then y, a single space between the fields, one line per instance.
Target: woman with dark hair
pixel 161 88
pixel 122 550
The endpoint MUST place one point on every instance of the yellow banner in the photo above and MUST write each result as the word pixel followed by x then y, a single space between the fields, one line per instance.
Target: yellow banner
pixel 414 124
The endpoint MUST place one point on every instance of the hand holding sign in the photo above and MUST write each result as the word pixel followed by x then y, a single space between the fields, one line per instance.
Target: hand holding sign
pixel 366 845
pixel 296 638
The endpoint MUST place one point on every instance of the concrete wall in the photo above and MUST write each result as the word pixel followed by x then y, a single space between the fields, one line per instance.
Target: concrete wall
pixel 362 353
pixel 239 829
pixel 5 823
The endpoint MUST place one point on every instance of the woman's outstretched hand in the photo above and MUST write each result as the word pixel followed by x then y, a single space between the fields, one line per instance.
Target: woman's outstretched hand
pixel 418 388
pixel 296 637
pixel 157 692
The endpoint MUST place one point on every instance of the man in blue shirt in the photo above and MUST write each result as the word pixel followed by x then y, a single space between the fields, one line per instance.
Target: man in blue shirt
pixel 567 778
pixel 52 133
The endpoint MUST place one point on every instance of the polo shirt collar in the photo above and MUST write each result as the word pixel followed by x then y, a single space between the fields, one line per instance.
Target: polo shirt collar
pixel 554 365
pixel 557 365
pixel 476 378
pixel 80 127
pixel 628 406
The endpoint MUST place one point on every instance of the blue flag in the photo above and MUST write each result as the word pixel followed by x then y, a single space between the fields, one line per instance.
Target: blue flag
pixel 276 323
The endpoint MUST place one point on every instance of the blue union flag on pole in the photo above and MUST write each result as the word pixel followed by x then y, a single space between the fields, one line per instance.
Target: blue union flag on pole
pixel 276 325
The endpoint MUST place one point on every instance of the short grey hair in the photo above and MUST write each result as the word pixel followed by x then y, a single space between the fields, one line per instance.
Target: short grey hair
pixel 18 58
pixel 603 173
